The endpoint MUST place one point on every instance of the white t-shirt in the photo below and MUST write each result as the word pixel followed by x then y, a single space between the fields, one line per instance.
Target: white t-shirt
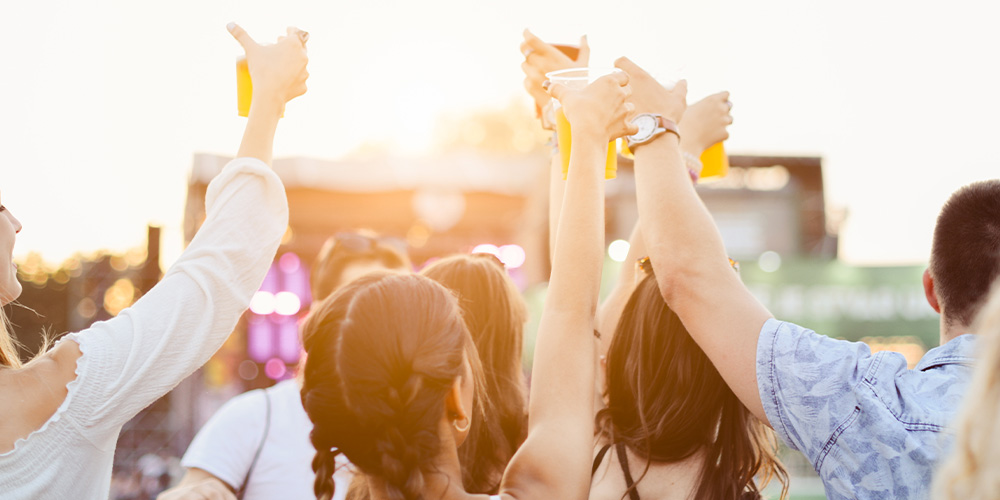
pixel 138 356
pixel 226 445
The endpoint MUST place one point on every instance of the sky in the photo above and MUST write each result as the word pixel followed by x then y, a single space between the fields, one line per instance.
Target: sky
pixel 105 103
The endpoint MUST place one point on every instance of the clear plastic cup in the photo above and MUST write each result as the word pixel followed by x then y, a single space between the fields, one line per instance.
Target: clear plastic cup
pixel 578 78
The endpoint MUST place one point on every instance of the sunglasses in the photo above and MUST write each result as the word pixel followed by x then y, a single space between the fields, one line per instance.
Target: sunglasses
pixel 360 243
pixel 647 267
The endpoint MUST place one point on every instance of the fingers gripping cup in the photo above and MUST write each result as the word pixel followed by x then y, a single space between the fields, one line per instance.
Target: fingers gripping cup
pixel 578 78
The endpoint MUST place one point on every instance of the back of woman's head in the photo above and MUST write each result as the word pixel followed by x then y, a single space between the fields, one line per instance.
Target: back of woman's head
pixel 495 314
pixel 666 401
pixel 383 353
pixel 970 472
pixel 346 249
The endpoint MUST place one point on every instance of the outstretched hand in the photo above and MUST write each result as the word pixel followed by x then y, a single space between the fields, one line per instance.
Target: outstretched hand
pixel 599 111
pixel 541 58
pixel 278 70
pixel 651 97
pixel 705 123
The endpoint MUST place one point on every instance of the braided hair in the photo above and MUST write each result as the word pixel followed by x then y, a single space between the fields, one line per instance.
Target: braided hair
pixel 382 355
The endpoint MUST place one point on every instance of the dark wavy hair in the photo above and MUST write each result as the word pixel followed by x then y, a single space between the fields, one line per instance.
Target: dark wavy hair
pixel 666 401
pixel 383 353
pixel 495 314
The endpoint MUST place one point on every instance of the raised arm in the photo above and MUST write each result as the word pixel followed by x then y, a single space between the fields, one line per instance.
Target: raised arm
pixel 705 124
pixel 279 75
pixel 554 461
pixel 687 253
pixel 611 309
pixel 541 58
pixel 133 359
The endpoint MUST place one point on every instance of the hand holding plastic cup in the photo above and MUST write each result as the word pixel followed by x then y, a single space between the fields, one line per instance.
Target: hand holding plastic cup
pixel 578 78
pixel 244 84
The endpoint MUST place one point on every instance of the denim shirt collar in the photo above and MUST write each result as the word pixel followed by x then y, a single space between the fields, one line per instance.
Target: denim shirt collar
pixel 959 350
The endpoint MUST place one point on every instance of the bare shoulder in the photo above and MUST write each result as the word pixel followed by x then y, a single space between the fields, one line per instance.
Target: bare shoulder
pixel 33 393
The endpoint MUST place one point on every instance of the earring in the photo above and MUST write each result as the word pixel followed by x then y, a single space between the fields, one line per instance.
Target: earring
pixel 465 427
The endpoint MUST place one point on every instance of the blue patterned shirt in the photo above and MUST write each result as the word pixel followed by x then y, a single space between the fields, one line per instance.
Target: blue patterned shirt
pixel 871 427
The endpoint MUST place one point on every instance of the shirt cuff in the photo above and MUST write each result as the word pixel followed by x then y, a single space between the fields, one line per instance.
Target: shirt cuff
pixel 767 379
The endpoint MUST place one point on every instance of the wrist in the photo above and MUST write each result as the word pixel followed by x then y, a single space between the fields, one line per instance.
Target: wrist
pixel 663 143
pixel 267 102
pixel 585 135
pixel 588 151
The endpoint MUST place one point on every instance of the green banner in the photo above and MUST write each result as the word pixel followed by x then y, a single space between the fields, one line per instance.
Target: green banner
pixel 846 301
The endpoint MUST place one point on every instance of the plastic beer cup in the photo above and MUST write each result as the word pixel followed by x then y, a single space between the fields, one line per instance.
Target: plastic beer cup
pixel 572 52
pixel 244 87
pixel 715 163
pixel 577 78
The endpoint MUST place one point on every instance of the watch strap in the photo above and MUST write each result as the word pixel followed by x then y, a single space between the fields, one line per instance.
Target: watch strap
pixel 663 125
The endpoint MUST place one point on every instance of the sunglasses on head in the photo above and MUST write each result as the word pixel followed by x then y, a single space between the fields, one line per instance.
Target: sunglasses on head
pixel 360 243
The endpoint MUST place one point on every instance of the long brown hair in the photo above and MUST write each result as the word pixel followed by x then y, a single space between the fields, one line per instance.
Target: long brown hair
pixel 383 352
pixel 495 314
pixel 666 402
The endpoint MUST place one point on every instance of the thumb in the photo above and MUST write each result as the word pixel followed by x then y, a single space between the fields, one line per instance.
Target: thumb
pixel 241 35
pixel 584 55
pixel 681 88
pixel 556 90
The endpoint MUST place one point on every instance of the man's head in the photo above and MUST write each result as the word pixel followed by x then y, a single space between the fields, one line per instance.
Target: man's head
pixel 965 257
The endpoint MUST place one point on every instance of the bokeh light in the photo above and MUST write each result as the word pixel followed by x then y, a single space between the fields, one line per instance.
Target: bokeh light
pixel 512 256
pixel 119 296
pixel 287 303
pixel 275 369
pixel 618 250
pixel 262 303
pixel 769 261
pixel 289 263
pixel 487 248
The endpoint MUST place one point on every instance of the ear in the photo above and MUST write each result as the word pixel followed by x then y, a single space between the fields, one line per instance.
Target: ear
pixel 453 406
pixel 929 292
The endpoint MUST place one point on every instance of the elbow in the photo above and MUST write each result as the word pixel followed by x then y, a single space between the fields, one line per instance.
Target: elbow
pixel 677 283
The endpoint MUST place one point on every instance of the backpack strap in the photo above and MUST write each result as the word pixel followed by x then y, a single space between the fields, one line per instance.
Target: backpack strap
pixel 267 429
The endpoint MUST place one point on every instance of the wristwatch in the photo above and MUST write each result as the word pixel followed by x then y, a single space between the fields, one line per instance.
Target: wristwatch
pixel 650 126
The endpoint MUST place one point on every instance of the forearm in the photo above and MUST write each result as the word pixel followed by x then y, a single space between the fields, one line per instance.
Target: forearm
pixel 262 122
pixel 612 307
pixel 579 257
pixel 175 327
pixel 693 273
pixel 680 234
pixel 565 342
pixel 557 191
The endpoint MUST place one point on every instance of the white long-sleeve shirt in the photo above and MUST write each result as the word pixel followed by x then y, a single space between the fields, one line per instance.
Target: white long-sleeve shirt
pixel 133 359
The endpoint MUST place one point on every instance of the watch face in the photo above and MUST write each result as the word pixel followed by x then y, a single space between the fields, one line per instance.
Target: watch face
pixel 647 124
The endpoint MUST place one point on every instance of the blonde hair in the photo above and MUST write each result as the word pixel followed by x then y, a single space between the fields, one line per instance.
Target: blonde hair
pixel 972 471
pixel 8 346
